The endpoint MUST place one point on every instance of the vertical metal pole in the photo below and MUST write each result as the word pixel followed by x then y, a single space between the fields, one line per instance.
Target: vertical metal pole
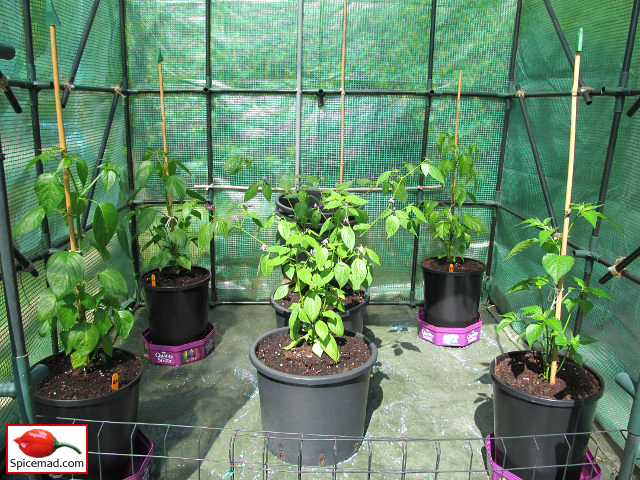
pixel 209 107
pixel 81 45
pixel 35 125
pixel 423 150
pixel 20 358
pixel 135 247
pixel 101 150
pixel 613 138
pixel 299 88
pixel 503 141
pixel 633 428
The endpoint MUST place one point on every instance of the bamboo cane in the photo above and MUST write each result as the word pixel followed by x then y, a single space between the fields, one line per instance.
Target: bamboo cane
pixel 455 150
pixel 52 20
pixel 342 85
pixel 164 135
pixel 567 200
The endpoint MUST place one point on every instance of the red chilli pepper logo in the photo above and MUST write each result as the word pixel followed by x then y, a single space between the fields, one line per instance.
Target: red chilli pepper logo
pixel 39 443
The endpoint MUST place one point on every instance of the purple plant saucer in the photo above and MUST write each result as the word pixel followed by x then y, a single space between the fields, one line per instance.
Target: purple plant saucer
pixel 180 354
pixel 449 337
pixel 141 464
pixel 590 468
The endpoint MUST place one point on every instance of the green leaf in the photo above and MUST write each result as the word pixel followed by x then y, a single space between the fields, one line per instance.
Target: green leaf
pixel 281 292
pixel 342 273
pixel 266 191
pixel 400 192
pixel 383 178
pixel 123 240
pixel 284 229
pixel 144 173
pixel 392 224
pixel 83 171
pixel 67 316
pixel 49 191
pixel 107 345
pixel 330 347
pixel 113 281
pixel 554 324
pixel 84 338
pixel 472 223
pixel 109 178
pixel 184 262
pixel 123 322
pixel 533 332
pixel 266 266
pixel 102 321
pixel 105 221
pixel 65 270
pixel 178 237
pixel 312 306
pixel 334 322
pixel 145 216
pixel 47 305
pixel 557 266
pixel 358 272
pixel 372 255
pixel 321 329
pixel 205 235
pixel 31 220
pixel 429 170
pixel 523 245
pixel 251 192
pixel 459 195
pixel 176 186
pixel 348 237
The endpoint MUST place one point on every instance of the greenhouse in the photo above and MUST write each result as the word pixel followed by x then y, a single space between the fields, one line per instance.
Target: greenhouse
pixel 320 239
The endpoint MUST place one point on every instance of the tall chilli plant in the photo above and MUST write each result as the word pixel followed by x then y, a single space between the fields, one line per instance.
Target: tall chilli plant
pixel 543 328
pixel 452 227
pixel 82 309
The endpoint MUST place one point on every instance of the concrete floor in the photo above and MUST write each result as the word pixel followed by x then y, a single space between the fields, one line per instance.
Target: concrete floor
pixel 437 398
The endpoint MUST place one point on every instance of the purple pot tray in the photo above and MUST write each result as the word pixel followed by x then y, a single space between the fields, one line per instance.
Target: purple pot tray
pixel 590 468
pixel 181 354
pixel 143 449
pixel 449 337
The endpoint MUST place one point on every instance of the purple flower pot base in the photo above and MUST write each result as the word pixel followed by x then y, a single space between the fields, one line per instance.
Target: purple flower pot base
pixel 143 451
pixel 181 354
pixel 590 468
pixel 449 337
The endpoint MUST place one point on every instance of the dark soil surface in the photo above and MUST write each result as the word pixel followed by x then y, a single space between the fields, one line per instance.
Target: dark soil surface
pixel 66 383
pixel 302 361
pixel 523 372
pixel 351 300
pixel 166 278
pixel 441 264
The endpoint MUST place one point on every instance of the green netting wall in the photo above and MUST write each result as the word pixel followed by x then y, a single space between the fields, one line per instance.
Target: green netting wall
pixel 253 103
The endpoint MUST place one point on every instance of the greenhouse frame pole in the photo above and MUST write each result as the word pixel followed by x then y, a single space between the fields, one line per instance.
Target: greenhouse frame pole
pixel 101 150
pixel 536 158
pixel 135 252
pixel 423 151
pixel 503 141
pixel 20 357
pixel 209 108
pixel 80 52
pixel 298 126
pixel 613 138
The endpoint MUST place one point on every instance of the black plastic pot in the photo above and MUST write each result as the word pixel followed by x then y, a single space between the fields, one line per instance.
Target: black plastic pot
pixel 352 318
pixel 451 298
pixel 554 433
pixel 314 410
pixel 178 315
pixel 106 438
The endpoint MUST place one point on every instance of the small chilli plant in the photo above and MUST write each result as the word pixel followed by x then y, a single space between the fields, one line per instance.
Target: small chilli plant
pixel 320 249
pixel 451 227
pixel 543 328
pixel 82 308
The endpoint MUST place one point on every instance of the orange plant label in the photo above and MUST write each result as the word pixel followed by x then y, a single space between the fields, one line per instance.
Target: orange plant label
pixel 153 280
pixel 115 382
pixel 451 267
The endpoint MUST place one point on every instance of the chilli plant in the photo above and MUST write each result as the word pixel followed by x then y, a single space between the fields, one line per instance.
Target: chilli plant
pixel 82 309
pixel 545 327
pixel 320 250
pixel 452 227
pixel 169 230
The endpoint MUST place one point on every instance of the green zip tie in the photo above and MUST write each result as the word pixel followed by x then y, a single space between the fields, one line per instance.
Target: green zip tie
pixel 229 473
pixel 580 34
pixel 159 54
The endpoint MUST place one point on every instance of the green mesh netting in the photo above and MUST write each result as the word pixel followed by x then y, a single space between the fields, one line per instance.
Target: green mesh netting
pixel 254 46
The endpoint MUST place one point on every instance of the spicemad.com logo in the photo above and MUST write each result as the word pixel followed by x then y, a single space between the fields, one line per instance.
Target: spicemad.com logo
pixel 46 449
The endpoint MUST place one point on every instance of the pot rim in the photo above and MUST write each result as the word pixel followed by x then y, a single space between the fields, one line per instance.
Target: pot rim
pixel 540 400
pixel 443 273
pixel 83 402
pixel 346 314
pixel 146 286
pixel 312 380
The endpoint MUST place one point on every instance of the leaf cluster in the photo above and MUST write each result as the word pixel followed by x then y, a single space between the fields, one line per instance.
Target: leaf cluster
pixel 543 328
pixel 169 230
pixel 83 315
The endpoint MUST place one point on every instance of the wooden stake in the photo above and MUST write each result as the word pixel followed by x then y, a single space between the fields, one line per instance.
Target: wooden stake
pixel 52 21
pixel 164 135
pixel 567 199
pixel 455 135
